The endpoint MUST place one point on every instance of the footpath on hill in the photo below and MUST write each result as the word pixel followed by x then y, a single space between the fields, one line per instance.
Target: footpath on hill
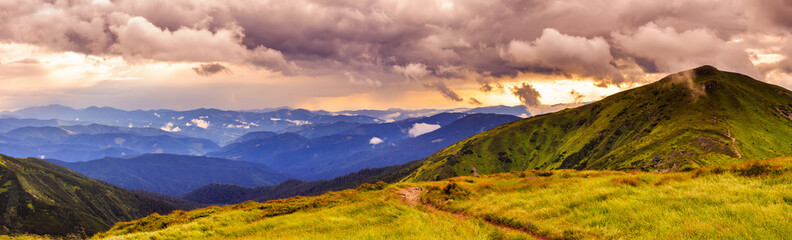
pixel 412 196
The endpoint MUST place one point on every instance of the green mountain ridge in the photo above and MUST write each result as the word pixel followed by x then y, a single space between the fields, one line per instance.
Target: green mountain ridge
pixel 686 120
pixel 39 197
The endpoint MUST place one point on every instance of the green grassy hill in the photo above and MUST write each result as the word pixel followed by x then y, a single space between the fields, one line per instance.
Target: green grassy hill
pixel 39 197
pixel 695 118
pixel 743 201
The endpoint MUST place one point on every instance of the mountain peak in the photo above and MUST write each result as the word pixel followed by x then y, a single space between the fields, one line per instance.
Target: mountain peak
pixel 706 70
pixel 699 117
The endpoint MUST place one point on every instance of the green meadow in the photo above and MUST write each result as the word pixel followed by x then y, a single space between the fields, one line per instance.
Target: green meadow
pixel 744 201
pixel 373 212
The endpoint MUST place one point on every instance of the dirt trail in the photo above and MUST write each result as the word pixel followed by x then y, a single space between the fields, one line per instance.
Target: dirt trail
pixel 412 197
pixel 734 147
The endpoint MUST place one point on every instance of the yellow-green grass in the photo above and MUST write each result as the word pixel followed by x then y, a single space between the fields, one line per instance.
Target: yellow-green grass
pixel 745 201
pixel 25 237
pixel 351 214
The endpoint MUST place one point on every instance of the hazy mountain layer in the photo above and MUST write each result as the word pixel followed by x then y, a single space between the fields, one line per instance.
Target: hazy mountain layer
pixel 176 174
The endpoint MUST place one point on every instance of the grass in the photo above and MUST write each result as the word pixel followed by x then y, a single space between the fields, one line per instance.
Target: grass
pixel 745 201
pixel 350 214
pixel 26 237
pixel 750 200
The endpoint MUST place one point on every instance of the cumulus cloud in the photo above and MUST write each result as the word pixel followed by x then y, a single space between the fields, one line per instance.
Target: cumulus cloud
pixel 570 54
pixel 198 123
pixel 375 140
pixel 442 88
pixel 210 69
pixel 671 50
pixel 112 29
pixel 527 94
pixel 419 129
pixel 272 59
pixel 169 127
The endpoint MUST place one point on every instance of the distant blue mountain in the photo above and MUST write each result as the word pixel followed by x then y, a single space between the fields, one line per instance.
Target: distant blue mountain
pixel 396 114
pixel 518 110
pixel 175 174
pixel 362 146
pixel 86 142
pixel 255 135
pixel 262 149
pixel 392 131
pixel 220 126
pixel 404 150
pixel 8 124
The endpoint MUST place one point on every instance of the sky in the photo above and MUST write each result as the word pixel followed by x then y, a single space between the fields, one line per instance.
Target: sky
pixel 373 54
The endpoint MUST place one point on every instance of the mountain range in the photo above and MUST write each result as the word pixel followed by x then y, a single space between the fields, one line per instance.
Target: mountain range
pixel 175 174
pixel 700 117
pixel 86 142
pixel 220 126
pixel 359 146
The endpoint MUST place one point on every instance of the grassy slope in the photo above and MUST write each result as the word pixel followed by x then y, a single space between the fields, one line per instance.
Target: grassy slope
pixel 751 200
pixel 683 121
pixel 43 198
pixel 365 213
pixel 745 201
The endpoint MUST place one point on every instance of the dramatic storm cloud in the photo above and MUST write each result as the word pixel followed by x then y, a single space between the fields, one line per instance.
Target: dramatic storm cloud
pixel 370 54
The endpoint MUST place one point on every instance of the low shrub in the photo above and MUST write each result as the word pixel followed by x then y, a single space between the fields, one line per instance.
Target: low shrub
pixel 372 187
pixel 665 179
pixel 627 181
pixel 455 191
pixel 755 169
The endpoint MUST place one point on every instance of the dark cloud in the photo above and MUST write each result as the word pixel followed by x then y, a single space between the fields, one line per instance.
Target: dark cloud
pixel 210 69
pixel 577 96
pixel 442 88
pixel 486 87
pixel 775 13
pixel 490 86
pixel 647 65
pixel 474 101
pixel 527 94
